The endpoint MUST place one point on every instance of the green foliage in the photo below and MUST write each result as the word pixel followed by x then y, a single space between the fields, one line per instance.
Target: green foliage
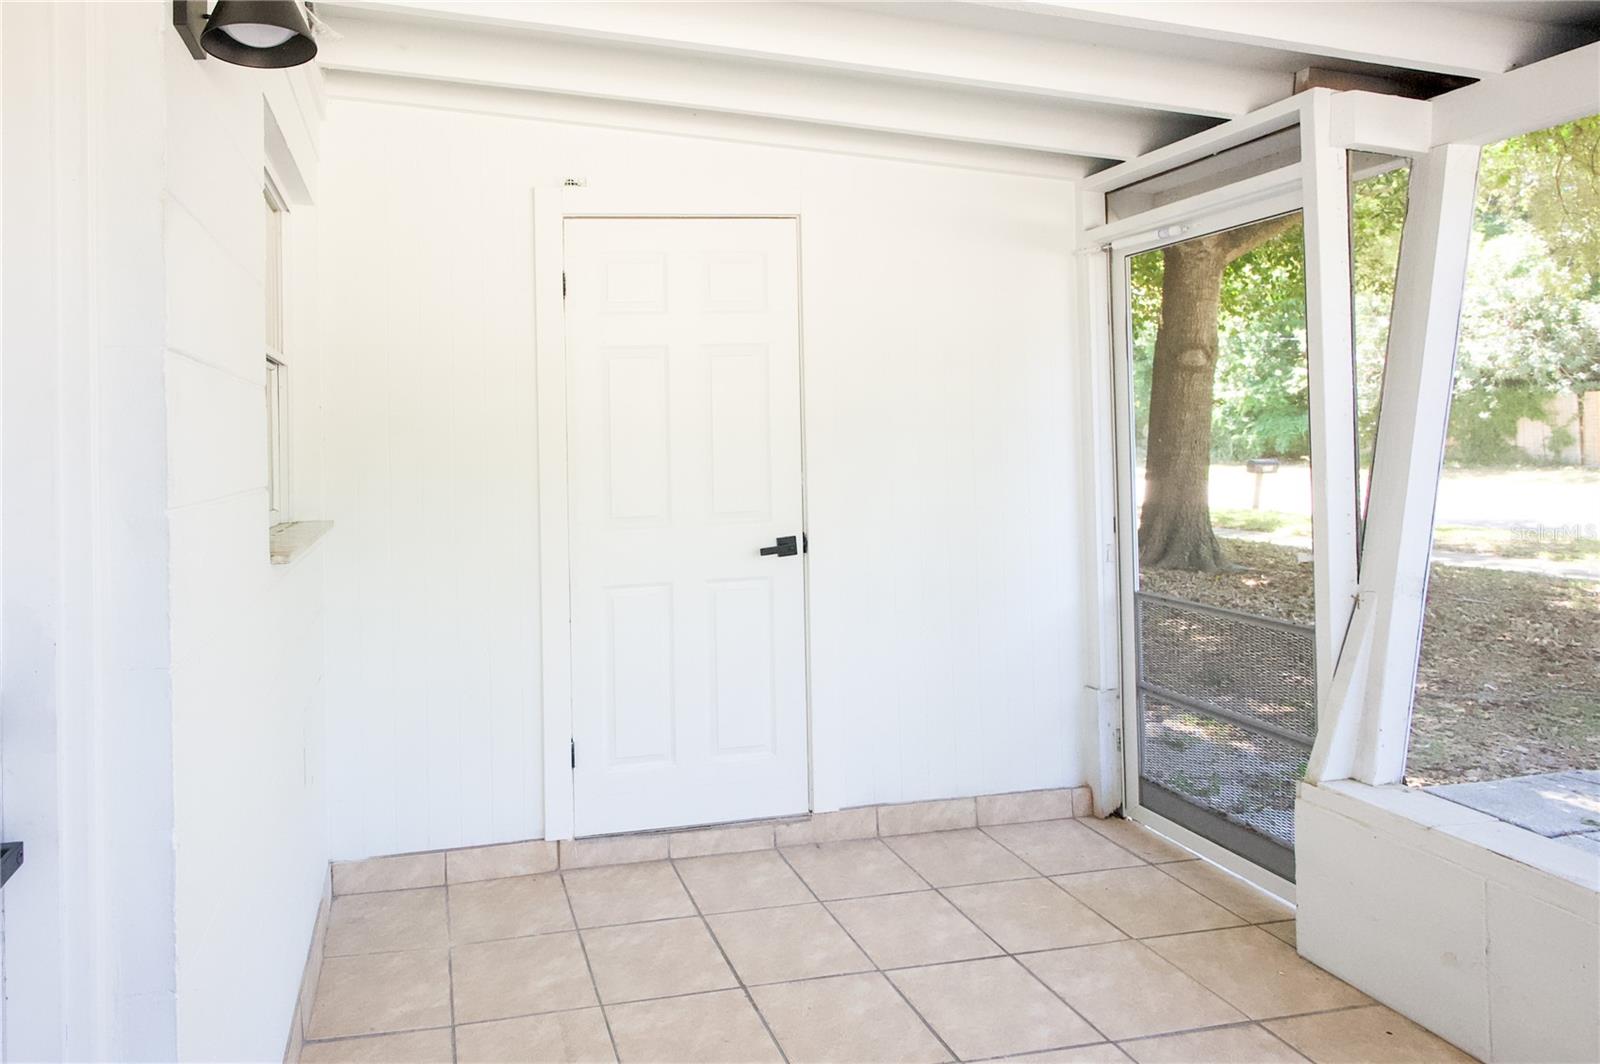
pixel 1260 392
pixel 1483 423
pixel 1530 323
pixel 1144 296
pixel 1526 321
pixel 1262 396
pixel 1548 182
pixel 1377 218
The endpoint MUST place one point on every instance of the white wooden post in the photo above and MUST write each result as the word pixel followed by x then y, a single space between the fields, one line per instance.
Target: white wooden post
pixel 1102 647
pixel 1331 364
pixel 1371 693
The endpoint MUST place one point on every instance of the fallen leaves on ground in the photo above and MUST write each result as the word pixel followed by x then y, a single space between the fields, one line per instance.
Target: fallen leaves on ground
pixel 1509 681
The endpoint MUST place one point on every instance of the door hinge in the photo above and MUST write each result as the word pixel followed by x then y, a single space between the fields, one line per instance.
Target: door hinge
pixel 573 748
pixel 563 284
pixel 1117 734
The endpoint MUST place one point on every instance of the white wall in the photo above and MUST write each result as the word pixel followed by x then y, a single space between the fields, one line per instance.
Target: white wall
pixel 1483 932
pixel 940 421
pixel 246 635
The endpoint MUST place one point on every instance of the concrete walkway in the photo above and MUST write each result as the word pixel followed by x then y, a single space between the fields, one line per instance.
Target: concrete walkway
pixel 1463 559
pixel 1564 806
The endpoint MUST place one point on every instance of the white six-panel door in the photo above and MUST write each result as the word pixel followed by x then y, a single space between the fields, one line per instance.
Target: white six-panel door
pixel 688 645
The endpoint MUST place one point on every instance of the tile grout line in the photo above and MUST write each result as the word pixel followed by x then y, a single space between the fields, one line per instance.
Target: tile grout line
pixel 1053 876
pixel 737 977
pixel 1121 1045
pixel 556 868
pixel 1186 855
pixel 927 887
pixel 1022 1058
pixel 594 984
pixel 1239 1006
pixel 450 963
pixel 1162 868
pixel 1214 930
pixel 1143 862
pixel 1003 952
pixel 1246 1022
pixel 775 822
pixel 1262 1023
pixel 1282 1040
pixel 1001 843
pixel 1167 934
pixel 870 958
pixel 1008 955
pixel 371 1034
pixel 1052 880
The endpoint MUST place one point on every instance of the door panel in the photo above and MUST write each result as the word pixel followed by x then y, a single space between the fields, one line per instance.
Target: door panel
pixel 688 644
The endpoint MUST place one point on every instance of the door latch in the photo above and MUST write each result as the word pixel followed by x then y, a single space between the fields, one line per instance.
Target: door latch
pixel 783 546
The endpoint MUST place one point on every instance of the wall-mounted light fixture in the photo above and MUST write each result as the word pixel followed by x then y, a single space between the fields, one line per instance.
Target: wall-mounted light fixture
pixel 254 33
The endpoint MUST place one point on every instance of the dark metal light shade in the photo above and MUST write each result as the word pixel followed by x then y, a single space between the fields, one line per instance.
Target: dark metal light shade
pixel 259 33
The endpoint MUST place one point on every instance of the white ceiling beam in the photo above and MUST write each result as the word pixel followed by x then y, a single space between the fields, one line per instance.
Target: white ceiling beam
pixel 867 42
pixel 681 122
pixel 1546 94
pixel 568 67
pixel 1418 36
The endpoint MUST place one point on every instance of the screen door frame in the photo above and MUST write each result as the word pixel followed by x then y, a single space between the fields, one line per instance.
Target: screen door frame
pixel 1204 221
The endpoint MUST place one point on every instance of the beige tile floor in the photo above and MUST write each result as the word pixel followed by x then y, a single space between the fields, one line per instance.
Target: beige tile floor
pixel 1080 941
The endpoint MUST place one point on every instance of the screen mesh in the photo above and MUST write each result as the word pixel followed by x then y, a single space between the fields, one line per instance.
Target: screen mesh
pixel 1243 775
pixel 1240 665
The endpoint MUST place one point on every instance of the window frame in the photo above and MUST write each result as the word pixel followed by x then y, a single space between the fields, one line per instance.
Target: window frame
pixel 277 385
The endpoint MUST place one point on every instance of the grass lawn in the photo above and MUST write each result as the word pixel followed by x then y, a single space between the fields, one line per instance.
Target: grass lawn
pixel 1503 542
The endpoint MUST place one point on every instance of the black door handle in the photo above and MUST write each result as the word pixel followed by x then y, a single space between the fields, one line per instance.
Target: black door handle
pixel 783 546
pixel 10 860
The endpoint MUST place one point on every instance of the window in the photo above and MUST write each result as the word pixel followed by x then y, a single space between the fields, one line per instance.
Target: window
pixel 1379 193
pixel 1507 688
pixel 277 369
pixel 1274 151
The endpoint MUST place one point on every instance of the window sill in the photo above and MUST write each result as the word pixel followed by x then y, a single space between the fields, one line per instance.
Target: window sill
pixel 1465 836
pixel 288 541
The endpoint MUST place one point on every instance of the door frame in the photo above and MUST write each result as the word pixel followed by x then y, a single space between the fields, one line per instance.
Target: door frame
pixel 1206 218
pixel 552 207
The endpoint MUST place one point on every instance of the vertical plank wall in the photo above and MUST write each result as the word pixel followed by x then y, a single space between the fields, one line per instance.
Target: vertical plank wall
pixel 247 636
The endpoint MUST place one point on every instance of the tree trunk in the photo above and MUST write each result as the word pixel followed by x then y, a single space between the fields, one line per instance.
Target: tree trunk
pixel 1175 520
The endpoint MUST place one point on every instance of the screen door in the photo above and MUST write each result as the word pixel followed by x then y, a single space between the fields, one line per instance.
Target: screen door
pixel 1215 521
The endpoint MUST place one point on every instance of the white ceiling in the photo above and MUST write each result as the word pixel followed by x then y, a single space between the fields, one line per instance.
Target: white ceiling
pixel 1085 83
